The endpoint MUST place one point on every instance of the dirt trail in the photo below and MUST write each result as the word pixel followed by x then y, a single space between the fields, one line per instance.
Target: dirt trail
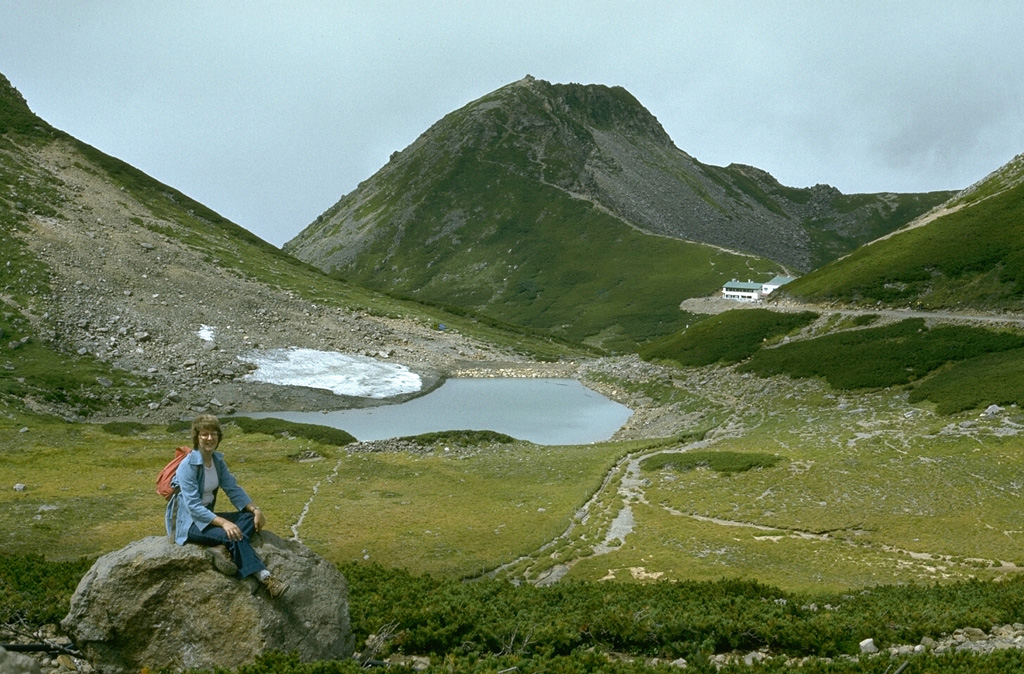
pixel 717 305
pixel 626 479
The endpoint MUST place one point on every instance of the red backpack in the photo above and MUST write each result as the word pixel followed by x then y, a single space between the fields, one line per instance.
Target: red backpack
pixel 163 480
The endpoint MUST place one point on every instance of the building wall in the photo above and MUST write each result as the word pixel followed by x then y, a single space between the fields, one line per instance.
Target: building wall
pixel 744 295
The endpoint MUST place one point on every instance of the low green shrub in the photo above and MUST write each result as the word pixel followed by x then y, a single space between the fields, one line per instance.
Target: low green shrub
pixel 691 619
pixel 890 355
pixel 124 428
pixel 961 662
pixel 462 438
pixel 863 320
pixel 727 463
pixel 727 338
pixel 270 426
pixel 36 591
pixel 992 379
pixel 490 625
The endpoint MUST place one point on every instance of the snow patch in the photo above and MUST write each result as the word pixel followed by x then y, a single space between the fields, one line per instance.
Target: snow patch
pixel 206 332
pixel 359 376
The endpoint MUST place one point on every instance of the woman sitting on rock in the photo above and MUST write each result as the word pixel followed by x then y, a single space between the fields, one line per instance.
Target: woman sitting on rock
pixel 190 513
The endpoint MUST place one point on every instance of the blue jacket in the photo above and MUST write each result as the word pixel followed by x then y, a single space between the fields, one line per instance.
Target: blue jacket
pixel 185 506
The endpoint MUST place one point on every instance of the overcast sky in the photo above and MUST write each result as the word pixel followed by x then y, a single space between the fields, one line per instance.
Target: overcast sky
pixel 269 112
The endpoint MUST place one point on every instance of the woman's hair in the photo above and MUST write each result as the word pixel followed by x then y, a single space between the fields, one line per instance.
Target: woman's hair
pixel 205 422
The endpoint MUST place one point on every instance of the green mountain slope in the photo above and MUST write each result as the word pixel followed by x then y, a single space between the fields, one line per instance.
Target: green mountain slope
pixel 558 264
pixel 568 208
pixel 970 255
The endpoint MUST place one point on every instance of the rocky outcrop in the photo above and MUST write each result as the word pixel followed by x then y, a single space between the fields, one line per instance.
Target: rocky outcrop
pixel 16 663
pixel 160 605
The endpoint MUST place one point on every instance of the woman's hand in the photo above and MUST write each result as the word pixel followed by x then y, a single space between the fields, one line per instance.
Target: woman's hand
pixel 231 530
pixel 258 519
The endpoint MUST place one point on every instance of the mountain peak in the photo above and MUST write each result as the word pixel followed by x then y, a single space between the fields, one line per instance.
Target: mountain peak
pixel 596 144
pixel 599 105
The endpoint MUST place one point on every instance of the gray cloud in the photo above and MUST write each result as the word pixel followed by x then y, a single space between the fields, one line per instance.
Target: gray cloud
pixel 270 112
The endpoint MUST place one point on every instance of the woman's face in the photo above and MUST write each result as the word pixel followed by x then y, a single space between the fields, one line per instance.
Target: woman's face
pixel 208 440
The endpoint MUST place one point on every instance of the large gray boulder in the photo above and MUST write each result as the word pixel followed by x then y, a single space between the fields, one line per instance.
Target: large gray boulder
pixel 16 663
pixel 156 604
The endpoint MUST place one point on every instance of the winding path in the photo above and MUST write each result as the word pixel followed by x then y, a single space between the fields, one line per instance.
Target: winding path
pixel 309 502
pixel 717 305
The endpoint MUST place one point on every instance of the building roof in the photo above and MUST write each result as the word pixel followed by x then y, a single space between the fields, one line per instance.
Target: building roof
pixel 780 280
pixel 742 285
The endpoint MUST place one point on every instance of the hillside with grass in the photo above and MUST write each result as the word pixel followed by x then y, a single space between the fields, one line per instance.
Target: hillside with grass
pixel 567 208
pixel 969 255
pixel 108 276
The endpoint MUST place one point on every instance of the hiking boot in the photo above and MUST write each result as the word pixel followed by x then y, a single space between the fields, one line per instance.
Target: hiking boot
pixel 275 586
pixel 222 560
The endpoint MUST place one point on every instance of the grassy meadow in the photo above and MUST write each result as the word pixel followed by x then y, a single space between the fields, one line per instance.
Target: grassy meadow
pixel 864 493
pixel 793 484
pixel 88 492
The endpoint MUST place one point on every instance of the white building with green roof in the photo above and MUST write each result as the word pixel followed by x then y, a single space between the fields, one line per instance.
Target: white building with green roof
pixel 753 291
pixel 744 291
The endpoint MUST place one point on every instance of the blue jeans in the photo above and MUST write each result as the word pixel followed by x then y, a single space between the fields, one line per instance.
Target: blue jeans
pixel 242 554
